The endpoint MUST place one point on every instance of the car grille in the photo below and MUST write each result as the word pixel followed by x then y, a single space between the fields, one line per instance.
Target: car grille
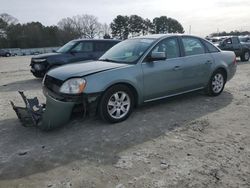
pixel 44 64
pixel 52 83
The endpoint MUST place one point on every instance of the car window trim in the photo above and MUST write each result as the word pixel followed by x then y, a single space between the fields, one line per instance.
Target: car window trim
pixel 208 51
pixel 193 38
pixel 157 42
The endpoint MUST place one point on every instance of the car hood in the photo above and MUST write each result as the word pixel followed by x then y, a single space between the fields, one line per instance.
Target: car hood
pixel 45 56
pixel 82 69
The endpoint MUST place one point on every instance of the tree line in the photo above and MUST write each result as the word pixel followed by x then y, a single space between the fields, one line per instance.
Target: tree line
pixel 231 33
pixel 33 35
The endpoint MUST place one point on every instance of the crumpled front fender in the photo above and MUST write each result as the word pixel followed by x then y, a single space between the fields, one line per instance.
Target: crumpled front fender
pixel 46 117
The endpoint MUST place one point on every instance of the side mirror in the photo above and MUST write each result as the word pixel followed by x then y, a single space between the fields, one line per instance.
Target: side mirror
pixel 156 56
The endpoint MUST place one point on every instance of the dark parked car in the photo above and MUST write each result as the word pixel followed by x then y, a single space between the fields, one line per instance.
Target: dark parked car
pixel 233 43
pixel 133 72
pixel 73 51
pixel 4 53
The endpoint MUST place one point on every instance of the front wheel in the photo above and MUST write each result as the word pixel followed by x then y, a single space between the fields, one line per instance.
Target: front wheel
pixel 216 83
pixel 116 104
pixel 245 56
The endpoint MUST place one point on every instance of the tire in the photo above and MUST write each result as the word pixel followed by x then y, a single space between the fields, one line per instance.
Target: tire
pixel 216 83
pixel 116 104
pixel 245 56
pixel 7 55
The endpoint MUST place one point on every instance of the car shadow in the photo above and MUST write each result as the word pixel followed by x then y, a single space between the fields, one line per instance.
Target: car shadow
pixel 26 151
pixel 31 84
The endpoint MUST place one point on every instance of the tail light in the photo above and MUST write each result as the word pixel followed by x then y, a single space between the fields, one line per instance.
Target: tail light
pixel 235 62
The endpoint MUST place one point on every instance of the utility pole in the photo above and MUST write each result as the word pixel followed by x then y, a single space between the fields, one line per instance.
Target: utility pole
pixel 190 29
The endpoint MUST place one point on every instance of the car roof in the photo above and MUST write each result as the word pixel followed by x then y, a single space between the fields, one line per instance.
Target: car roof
pixel 98 40
pixel 160 36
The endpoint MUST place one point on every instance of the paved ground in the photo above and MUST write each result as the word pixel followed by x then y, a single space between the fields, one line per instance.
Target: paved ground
pixel 187 141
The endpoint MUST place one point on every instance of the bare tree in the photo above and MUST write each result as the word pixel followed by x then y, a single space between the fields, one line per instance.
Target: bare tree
pixel 105 31
pixel 85 25
pixel 70 26
pixel 89 25
pixel 8 19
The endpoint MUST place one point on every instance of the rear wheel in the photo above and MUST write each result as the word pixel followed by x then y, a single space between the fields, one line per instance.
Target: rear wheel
pixel 7 54
pixel 116 104
pixel 216 83
pixel 245 56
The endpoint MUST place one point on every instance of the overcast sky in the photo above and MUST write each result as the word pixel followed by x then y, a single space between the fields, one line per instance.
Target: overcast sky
pixel 204 17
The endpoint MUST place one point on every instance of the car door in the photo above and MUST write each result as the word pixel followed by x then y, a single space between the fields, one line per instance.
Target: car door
pixel 197 63
pixel 232 44
pixel 82 51
pixel 163 77
pixel 237 46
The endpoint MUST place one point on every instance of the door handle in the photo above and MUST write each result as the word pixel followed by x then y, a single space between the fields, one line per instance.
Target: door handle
pixel 177 68
pixel 208 62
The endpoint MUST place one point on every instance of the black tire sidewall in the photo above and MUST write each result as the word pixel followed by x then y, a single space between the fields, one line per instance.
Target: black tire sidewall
pixel 103 111
pixel 243 56
pixel 210 87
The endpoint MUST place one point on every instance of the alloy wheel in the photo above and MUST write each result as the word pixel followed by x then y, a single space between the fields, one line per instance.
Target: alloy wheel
pixel 217 83
pixel 118 105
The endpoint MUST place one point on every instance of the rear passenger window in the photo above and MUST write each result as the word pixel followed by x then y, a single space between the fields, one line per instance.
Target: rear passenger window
pixel 103 46
pixel 211 48
pixel 192 46
pixel 235 40
pixel 169 46
pixel 87 47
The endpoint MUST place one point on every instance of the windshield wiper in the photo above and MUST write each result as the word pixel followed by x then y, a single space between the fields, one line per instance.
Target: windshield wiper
pixel 108 60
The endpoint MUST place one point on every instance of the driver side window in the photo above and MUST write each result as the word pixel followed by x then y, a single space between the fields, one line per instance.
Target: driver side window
pixel 84 47
pixel 169 46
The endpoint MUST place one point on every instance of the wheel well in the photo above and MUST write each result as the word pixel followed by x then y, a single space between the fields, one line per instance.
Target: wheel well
pixel 130 87
pixel 223 71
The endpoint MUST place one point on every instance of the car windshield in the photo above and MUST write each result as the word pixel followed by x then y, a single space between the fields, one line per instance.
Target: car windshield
pixel 128 51
pixel 66 47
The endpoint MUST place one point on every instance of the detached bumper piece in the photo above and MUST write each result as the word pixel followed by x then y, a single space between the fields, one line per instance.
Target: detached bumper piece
pixel 46 117
pixel 31 114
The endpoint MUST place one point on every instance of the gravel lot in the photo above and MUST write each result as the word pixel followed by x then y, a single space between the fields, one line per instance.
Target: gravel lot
pixel 187 141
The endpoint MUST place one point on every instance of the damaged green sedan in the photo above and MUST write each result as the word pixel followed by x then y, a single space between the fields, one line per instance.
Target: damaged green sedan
pixel 133 72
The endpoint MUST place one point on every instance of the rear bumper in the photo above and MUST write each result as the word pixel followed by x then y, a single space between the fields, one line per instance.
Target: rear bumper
pixel 231 71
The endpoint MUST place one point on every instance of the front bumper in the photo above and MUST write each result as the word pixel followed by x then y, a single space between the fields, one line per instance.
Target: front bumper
pixel 38 68
pixel 55 113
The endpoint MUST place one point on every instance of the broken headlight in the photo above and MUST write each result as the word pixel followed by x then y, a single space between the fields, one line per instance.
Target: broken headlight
pixel 73 86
